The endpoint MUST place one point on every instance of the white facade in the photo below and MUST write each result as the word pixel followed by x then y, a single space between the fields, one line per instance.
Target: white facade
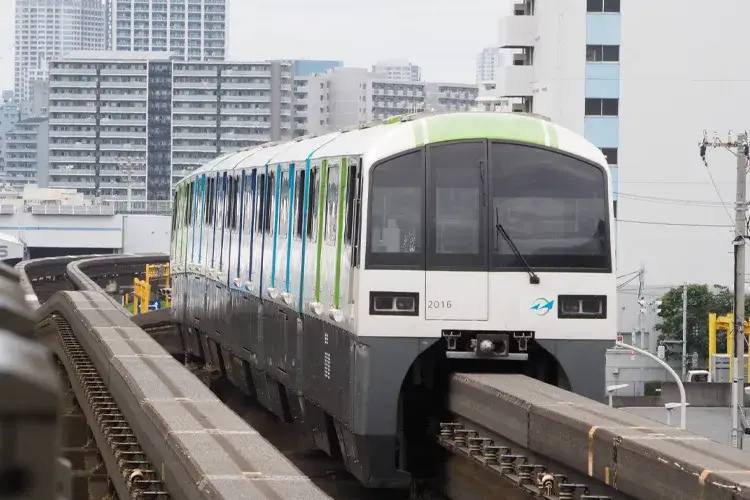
pixel 398 69
pixel 192 30
pixel 352 96
pixel 488 64
pixel 591 66
pixel 47 29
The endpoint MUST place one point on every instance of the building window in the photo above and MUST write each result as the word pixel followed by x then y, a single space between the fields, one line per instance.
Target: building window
pixel 602 107
pixel 602 53
pixel 603 6
pixel 611 154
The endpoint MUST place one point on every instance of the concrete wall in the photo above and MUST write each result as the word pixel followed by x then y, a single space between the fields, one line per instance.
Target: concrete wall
pixel 635 371
pixel 700 394
pixel 146 233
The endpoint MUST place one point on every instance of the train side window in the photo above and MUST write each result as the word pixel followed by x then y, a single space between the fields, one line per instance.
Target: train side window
pixel 260 203
pixel 237 201
pixel 189 204
pixel 175 211
pixel 396 213
pixel 284 203
pixel 351 191
pixel 247 225
pixel 229 201
pixel 332 204
pixel 299 202
pixel 312 207
pixel 270 198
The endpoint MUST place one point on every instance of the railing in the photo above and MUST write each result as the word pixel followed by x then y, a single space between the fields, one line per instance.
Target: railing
pixel 161 207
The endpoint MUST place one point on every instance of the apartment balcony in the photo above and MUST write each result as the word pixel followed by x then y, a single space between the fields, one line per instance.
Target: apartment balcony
pixel 517 32
pixel 515 81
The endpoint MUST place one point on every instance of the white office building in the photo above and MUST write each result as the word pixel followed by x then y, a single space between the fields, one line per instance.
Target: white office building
pixel 594 67
pixel 192 30
pixel 140 119
pixel 344 97
pixel 47 29
pixel 398 69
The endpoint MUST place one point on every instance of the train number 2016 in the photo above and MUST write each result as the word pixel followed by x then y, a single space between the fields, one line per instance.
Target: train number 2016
pixel 439 304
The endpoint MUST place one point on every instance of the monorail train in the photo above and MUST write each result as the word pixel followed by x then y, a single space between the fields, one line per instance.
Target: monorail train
pixel 338 278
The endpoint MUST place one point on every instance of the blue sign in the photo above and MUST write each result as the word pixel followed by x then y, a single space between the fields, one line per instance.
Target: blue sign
pixel 154 306
pixel 542 306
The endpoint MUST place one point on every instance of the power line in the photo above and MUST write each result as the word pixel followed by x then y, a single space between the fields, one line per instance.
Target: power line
pixel 677 224
pixel 670 201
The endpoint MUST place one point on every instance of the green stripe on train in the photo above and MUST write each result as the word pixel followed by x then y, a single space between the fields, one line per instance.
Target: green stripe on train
pixel 508 126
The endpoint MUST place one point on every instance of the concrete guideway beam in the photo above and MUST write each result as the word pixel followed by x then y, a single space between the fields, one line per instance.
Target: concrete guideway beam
pixel 636 456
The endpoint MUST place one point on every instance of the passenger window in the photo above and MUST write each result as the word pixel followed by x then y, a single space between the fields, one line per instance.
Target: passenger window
pixel 332 203
pixel 312 207
pixel 237 197
pixel 270 199
pixel 456 206
pixel 284 204
pixel 299 193
pixel 249 203
pixel 352 188
pixel 396 222
pixel 260 201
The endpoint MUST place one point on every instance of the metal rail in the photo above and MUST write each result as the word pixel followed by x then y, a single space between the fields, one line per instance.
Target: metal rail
pixel 130 473
pixel 497 459
pixel 114 463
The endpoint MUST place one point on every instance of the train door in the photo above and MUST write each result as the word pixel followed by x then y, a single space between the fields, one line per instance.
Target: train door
pixel 456 277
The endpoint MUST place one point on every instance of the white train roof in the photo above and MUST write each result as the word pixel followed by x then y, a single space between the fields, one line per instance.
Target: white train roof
pixel 404 133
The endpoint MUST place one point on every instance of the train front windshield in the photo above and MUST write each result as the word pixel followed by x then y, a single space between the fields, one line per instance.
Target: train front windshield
pixel 440 210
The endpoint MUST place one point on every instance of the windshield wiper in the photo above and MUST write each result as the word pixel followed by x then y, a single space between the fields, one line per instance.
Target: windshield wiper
pixel 533 278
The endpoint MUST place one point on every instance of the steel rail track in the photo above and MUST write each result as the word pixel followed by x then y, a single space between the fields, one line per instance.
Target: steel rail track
pixel 479 461
pixel 131 475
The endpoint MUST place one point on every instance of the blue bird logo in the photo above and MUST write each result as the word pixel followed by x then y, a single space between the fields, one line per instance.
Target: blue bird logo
pixel 542 306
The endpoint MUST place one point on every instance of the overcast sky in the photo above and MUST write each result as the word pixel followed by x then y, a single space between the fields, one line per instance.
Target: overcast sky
pixel 443 36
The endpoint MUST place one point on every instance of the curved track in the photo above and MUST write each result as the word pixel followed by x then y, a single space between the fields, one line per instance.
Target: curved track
pixel 95 339
pixel 112 453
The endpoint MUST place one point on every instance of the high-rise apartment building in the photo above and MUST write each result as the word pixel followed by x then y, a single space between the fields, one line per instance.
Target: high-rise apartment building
pixel 344 97
pixel 398 69
pixel 590 66
pixel 192 30
pixel 488 63
pixel 143 120
pixel 26 154
pixel 47 29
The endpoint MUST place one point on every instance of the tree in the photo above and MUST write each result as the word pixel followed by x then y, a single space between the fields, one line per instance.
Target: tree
pixel 701 300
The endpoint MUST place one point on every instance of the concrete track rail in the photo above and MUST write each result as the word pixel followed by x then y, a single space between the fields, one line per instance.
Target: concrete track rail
pixel 634 456
pixel 160 430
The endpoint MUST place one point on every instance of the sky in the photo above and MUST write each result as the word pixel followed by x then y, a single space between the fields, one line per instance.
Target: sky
pixel 443 36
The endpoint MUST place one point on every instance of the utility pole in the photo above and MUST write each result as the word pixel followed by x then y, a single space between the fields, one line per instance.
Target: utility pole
pixel 642 303
pixel 684 330
pixel 739 148
pixel 740 225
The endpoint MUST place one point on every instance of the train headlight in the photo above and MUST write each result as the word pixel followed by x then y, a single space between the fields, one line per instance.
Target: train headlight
pixel 394 303
pixel 582 306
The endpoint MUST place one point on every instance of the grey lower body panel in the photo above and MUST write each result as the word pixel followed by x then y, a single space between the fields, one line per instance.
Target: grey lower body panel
pixel 345 389
pixel 354 394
